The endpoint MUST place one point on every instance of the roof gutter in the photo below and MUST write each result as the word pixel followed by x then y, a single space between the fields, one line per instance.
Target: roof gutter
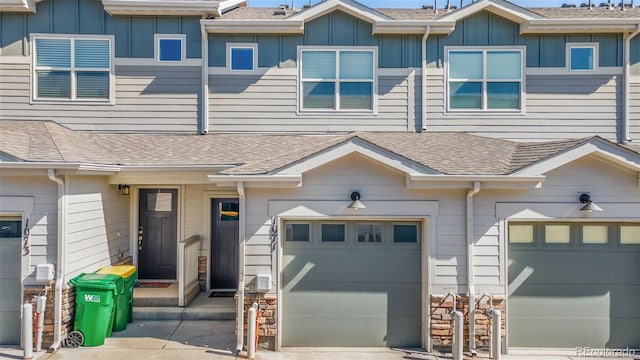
pixel 483 178
pixel 423 98
pixel 59 165
pixel 60 262
pixel 626 136
pixel 551 26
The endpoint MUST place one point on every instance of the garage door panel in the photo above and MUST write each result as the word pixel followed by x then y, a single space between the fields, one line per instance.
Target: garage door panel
pixel 10 299
pixel 10 329
pixel 575 267
pixel 312 330
pixel 11 259
pixel 625 332
pixel 392 299
pixel 10 290
pixel 328 265
pixel 532 331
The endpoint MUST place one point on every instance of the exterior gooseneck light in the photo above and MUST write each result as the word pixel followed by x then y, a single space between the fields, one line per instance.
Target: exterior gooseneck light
pixel 355 201
pixel 589 205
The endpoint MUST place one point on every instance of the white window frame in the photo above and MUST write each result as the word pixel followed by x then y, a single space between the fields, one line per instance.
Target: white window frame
pixel 586 45
pixel 523 56
pixel 252 46
pixel 336 109
pixel 183 46
pixel 72 69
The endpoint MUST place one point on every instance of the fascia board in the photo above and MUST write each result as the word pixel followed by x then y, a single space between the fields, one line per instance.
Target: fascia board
pixel 253 26
pixel 160 7
pixel 18 6
pixel 502 8
pixel 401 27
pixel 58 165
pixel 551 26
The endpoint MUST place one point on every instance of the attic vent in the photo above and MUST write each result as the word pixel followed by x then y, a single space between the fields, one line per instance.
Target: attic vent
pixel 284 6
pixel 568 5
pixel 427 7
pixel 306 6
pixel 280 12
pixel 453 7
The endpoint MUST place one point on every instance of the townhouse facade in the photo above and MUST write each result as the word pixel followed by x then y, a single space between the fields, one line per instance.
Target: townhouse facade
pixel 351 168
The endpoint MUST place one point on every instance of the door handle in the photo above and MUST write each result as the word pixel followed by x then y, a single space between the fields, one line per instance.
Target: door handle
pixel 140 232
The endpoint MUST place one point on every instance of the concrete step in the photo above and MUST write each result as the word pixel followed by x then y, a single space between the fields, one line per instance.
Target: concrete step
pixel 181 313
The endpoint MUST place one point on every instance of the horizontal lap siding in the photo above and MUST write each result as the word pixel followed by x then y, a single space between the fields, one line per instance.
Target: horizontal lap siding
pixel 97 224
pixel 557 107
pixel 44 218
pixel 148 99
pixel 268 103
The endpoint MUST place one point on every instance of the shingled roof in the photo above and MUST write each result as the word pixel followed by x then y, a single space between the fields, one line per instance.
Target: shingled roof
pixel 445 153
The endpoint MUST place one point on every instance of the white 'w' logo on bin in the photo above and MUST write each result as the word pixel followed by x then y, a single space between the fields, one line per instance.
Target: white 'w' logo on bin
pixel 92 298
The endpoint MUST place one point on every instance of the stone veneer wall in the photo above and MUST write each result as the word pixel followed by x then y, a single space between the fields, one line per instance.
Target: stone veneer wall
pixel 68 308
pixel 442 323
pixel 202 272
pixel 267 322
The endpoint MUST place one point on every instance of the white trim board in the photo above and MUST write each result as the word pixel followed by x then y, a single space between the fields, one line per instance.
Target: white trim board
pixel 322 209
pixel 155 62
pixel 567 211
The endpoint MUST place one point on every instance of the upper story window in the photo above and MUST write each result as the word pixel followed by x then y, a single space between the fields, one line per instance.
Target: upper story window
pixel 337 79
pixel 485 79
pixel 72 68
pixel 582 56
pixel 242 57
pixel 170 48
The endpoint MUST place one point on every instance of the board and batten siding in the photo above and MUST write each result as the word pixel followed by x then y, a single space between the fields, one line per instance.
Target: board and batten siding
pixel 268 103
pixel 151 99
pixel 97 224
pixel 557 107
pixel 44 218
pixel 335 181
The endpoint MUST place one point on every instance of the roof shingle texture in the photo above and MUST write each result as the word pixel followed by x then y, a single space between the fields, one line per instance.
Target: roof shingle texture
pixel 446 153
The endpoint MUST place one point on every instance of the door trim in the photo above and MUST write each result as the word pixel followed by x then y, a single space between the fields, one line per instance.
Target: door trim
pixel 135 221
pixel 206 225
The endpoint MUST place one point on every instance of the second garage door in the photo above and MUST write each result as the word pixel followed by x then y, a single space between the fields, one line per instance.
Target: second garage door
pixel 352 284
pixel 10 286
pixel 574 285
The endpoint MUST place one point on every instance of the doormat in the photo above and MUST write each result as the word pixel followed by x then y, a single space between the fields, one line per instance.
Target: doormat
pixel 155 284
pixel 222 294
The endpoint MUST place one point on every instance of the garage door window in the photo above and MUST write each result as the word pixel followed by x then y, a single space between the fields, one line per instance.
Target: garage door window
pixel 369 233
pixel 557 234
pixel 630 234
pixel 10 228
pixel 595 234
pixel 297 232
pixel 521 234
pixel 333 233
pixel 405 233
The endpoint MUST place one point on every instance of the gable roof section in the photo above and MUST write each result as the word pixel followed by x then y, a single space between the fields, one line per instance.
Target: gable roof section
pixel 558 157
pixel 503 8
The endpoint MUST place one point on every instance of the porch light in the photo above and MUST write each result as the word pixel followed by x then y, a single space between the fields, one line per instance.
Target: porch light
pixel 355 201
pixel 589 205
pixel 124 189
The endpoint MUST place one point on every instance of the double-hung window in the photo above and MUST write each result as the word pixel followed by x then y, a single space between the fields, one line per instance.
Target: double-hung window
pixel 337 79
pixel 76 68
pixel 485 79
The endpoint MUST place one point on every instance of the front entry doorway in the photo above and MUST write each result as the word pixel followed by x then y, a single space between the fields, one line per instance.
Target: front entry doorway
pixel 224 244
pixel 157 234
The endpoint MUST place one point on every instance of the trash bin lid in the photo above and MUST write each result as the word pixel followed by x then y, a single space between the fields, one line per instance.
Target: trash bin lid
pixel 101 281
pixel 123 271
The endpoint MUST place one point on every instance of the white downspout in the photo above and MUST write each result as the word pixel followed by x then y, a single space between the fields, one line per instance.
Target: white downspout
pixel 241 250
pixel 627 87
pixel 60 268
pixel 470 263
pixel 423 98
pixel 204 127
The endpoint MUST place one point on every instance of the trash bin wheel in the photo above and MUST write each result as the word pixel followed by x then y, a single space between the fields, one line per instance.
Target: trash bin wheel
pixel 75 339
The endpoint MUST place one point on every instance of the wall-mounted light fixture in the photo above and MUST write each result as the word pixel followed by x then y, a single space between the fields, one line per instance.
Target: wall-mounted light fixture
pixel 589 205
pixel 355 201
pixel 124 189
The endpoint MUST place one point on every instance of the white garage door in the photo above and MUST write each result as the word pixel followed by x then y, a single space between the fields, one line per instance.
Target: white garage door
pixel 352 284
pixel 10 286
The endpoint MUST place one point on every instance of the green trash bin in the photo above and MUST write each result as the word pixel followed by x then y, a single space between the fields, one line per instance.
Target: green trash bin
pixel 95 300
pixel 124 299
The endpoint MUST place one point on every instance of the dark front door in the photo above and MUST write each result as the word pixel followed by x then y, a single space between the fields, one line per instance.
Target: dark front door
pixel 224 244
pixel 157 234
